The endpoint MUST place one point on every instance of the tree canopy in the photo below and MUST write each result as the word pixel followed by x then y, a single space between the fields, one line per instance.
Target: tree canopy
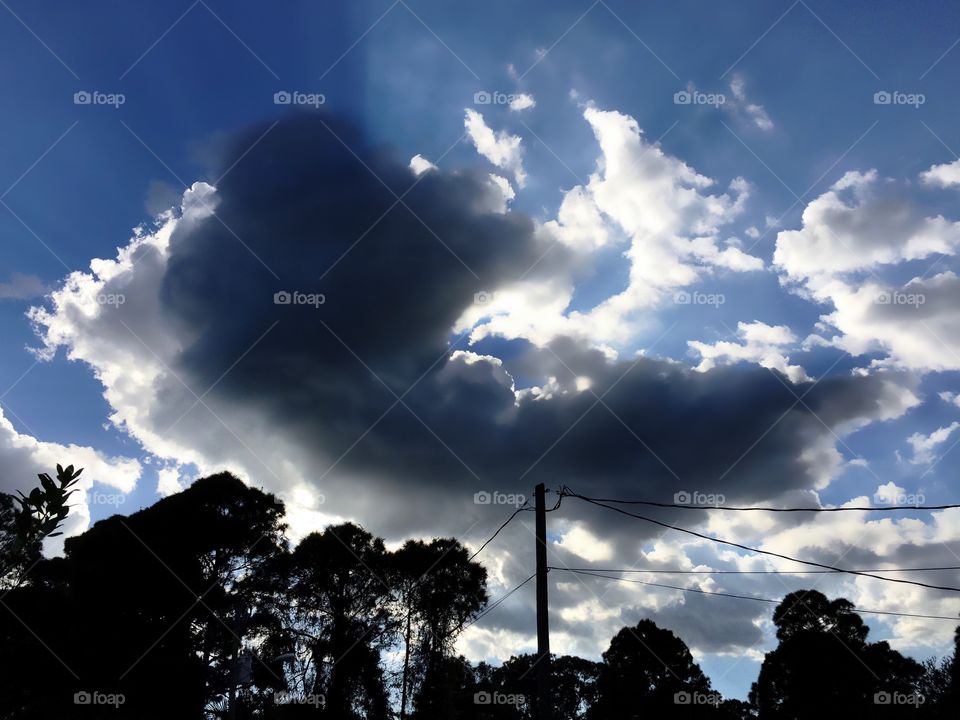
pixel 199 607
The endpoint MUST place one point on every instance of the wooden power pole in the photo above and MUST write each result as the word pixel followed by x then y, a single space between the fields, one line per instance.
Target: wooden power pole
pixel 543 623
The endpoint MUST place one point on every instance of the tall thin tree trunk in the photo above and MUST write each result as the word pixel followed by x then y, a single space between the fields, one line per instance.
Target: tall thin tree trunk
pixel 406 668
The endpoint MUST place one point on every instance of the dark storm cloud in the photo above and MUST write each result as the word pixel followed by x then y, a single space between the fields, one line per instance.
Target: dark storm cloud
pixel 299 200
pixel 310 189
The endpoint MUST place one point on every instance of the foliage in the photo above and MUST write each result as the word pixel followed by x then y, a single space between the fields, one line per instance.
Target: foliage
pixel 824 661
pixel 23 530
pixel 198 608
pixel 649 672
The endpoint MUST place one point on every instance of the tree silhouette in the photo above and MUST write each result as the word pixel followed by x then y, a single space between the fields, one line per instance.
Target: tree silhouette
pixel 28 671
pixel 14 557
pixel 408 565
pixel 339 619
pixel 196 607
pixel 448 691
pixel 934 686
pixel 649 672
pixel 573 685
pixel 169 598
pixel 823 662
pixel 439 589
pixel 940 684
pixel 953 688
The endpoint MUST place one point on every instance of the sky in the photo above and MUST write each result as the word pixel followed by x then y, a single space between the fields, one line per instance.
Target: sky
pixel 381 257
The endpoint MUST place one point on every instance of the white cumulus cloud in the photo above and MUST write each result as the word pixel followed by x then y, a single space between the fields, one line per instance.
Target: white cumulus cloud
pixel 763 344
pixel 501 148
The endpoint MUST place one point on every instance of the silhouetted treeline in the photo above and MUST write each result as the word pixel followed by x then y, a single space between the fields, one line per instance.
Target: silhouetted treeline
pixel 198 608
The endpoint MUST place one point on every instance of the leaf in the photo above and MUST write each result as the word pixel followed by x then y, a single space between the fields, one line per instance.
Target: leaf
pixel 49 526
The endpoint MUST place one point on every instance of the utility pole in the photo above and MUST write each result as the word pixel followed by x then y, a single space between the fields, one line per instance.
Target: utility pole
pixel 543 623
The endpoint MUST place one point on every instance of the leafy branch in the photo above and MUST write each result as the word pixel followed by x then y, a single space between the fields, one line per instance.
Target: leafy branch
pixel 40 515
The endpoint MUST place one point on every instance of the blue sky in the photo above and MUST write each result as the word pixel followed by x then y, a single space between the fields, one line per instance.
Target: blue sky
pixel 799 81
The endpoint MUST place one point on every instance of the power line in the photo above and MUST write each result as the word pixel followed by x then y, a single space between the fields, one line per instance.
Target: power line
pixel 760 572
pixel 662 585
pixel 506 522
pixel 758 550
pixel 747 597
pixel 494 605
pixel 681 506
pixel 522 508
pixel 560 497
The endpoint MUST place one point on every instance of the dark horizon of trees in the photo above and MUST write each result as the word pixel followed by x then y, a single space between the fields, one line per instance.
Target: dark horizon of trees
pixel 198 607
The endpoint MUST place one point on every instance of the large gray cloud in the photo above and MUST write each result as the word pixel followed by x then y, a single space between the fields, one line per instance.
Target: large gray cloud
pixel 311 189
